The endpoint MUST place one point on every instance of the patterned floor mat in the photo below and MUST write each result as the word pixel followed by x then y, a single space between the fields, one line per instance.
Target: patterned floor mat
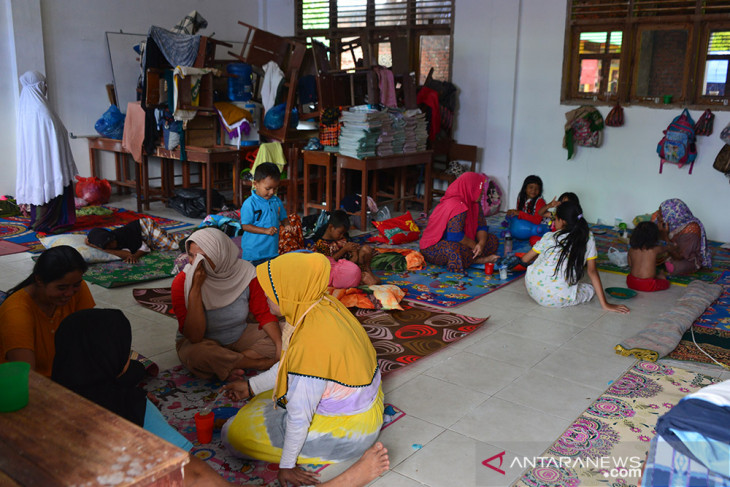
pixel 608 443
pixel 15 229
pixel 181 395
pixel 399 337
pixel 153 266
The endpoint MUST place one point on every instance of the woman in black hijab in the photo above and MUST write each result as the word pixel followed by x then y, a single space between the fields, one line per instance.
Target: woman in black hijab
pixel 92 359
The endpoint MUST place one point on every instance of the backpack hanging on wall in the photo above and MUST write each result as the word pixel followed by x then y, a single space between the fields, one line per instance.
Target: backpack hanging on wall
pixel 704 123
pixel 615 117
pixel 722 161
pixel 678 145
pixel 583 126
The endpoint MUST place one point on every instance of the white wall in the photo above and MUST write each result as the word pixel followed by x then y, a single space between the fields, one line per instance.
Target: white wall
pixel 507 63
pixel 76 60
pixel 620 179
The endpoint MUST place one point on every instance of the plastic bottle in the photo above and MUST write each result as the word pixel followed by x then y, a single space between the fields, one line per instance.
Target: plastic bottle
pixel 503 273
pixel 507 244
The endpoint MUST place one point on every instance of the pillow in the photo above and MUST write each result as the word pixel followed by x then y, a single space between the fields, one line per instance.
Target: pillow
pixel 398 230
pixel 382 296
pixel 78 241
pixel 388 295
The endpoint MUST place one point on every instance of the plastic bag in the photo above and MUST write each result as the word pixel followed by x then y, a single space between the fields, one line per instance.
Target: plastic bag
pixel 111 124
pixel 191 201
pixel 274 118
pixel 94 190
pixel 618 258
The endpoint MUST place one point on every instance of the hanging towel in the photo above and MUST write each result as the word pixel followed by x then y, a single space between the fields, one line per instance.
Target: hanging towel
pixel 272 77
pixel 386 85
pixel 134 125
pixel 270 152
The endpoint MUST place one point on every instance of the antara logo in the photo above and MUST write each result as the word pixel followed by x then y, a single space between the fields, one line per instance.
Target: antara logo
pixel 487 462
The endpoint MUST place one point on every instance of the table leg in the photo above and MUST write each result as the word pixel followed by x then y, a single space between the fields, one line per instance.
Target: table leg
pixel 306 168
pixel 145 182
pixel 428 187
pixel 185 174
pixel 237 180
pixel 118 169
pixel 208 188
pixel 92 162
pixel 364 200
pixel 328 184
pixel 138 185
pixel 338 187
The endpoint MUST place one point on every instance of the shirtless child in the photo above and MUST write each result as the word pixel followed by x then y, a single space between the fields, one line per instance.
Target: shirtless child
pixel 643 255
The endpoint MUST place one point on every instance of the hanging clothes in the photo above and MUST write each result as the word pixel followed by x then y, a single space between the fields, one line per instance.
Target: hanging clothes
pixel 272 77
pixel 386 85
pixel 46 166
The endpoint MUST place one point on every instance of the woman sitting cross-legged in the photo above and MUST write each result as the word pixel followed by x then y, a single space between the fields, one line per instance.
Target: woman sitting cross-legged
pixel 456 236
pixel 678 226
pixel 212 298
pixel 322 403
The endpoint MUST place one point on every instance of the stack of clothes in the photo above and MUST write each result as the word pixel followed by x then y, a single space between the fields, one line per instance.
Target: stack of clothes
pixel 416 133
pixel 692 445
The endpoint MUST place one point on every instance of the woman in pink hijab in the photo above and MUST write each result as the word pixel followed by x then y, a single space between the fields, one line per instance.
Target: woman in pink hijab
pixel 456 236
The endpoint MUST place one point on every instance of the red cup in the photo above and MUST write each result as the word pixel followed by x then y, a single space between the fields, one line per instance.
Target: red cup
pixel 204 427
pixel 489 268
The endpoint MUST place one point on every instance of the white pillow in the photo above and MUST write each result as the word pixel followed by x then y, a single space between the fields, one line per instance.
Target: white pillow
pixel 78 241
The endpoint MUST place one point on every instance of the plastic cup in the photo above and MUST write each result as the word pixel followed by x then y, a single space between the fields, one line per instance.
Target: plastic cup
pixel 489 268
pixel 204 427
pixel 14 386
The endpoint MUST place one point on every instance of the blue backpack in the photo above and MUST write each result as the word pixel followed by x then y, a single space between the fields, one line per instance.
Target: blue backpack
pixel 678 145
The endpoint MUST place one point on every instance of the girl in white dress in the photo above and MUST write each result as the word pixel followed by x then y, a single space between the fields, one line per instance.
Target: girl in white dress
pixel 560 261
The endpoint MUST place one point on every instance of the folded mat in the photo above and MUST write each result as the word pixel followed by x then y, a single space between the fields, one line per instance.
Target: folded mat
pixel 664 334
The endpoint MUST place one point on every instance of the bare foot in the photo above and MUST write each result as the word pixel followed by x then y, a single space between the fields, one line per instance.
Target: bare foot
pixel 485 259
pixel 371 465
pixel 369 279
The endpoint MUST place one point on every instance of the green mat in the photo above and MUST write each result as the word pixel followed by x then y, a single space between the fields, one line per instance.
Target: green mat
pixel 153 266
pixel 604 241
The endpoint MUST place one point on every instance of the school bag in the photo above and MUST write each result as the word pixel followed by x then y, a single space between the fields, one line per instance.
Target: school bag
pixel 722 161
pixel 583 126
pixel 705 123
pixel 678 145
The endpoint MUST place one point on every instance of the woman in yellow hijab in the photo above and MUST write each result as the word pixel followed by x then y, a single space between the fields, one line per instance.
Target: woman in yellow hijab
pixel 322 402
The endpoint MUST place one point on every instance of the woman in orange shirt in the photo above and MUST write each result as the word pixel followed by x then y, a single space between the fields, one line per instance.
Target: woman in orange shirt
pixel 35 308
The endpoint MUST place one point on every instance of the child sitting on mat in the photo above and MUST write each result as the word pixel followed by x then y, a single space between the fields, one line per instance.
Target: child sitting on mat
pixel 134 240
pixel 643 253
pixel 335 244
pixel 561 259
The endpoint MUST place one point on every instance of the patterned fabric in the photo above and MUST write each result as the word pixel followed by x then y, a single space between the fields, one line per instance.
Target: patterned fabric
pixel 156 265
pixel 453 255
pixel 677 216
pixel 157 238
pixel 549 287
pixel 291 240
pixel 616 428
pixel 181 395
pixel 667 466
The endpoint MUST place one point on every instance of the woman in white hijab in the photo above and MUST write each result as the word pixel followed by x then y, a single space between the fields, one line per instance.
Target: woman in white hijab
pixel 46 167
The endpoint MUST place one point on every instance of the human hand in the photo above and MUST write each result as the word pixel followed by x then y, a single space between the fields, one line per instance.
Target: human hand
pixel 271 231
pixel 511 213
pixel 129 257
pixel 554 203
pixel 296 476
pixel 478 249
pixel 200 275
pixel 616 308
pixel 351 247
pixel 238 390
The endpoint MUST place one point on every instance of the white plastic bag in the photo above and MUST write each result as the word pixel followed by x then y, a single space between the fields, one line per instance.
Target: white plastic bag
pixel 618 258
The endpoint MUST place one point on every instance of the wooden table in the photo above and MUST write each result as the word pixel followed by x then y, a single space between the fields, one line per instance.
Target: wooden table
pixel 322 161
pixel 208 157
pixel 62 439
pixel 121 163
pixel 368 164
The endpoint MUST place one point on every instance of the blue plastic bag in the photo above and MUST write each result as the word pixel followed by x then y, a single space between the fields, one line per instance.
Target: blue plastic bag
pixel 111 124
pixel 274 118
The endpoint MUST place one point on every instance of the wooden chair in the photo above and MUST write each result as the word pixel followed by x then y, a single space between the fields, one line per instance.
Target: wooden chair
pixel 451 151
pixel 260 47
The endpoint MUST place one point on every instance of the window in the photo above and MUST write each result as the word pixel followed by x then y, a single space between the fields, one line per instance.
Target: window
pixel 647 52
pixel 406 35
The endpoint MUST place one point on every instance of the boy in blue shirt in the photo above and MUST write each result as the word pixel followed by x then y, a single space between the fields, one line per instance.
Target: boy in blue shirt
pixel 261 215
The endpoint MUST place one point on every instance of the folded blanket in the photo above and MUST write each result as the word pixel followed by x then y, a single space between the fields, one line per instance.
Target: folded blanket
pixel 665 333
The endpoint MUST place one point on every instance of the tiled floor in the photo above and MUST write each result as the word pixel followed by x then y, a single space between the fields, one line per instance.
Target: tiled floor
pixel 514 385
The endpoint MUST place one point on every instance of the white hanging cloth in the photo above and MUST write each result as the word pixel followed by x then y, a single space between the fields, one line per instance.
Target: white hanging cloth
pixel 45 162
pixel 272 77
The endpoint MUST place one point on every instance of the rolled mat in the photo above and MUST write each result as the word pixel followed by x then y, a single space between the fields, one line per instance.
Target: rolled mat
pixel 664 334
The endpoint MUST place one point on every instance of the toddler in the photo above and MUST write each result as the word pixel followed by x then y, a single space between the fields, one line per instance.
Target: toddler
pixel 334 243
pixel 643 255
pixel 262 214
